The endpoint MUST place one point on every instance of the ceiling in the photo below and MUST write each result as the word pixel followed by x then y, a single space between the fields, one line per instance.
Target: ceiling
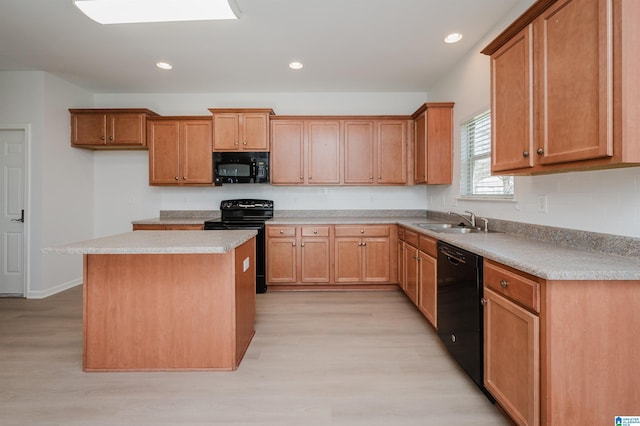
pixel 345 45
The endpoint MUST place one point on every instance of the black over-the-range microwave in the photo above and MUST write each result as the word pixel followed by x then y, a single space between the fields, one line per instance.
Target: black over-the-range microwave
pixel 240 167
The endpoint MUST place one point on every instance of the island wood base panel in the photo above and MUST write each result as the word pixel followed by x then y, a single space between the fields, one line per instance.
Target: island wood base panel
pixel 145 312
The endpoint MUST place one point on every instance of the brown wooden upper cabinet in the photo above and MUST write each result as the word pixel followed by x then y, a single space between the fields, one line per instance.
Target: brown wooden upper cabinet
pixel 433 143
pixel 564 90
pixel 375 152
pixel 305 151
pixel 241 129
pixel 180 151
pixel 109 128
pixel 339 150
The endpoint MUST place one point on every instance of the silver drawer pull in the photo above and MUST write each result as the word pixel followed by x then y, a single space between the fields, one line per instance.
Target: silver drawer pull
pixel 504 283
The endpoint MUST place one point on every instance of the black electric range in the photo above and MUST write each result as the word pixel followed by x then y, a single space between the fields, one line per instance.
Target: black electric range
pixel 247 214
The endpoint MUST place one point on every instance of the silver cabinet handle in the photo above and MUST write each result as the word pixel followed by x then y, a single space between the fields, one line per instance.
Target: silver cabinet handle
pixel 540 151
pixel 301 244
pixel 177 178
pixel 504 283
pixel 525 154
pixel 281 231
pixel 110 138
pixel 483 301
pixel 364 243
pixel 315 232
pixel 362 231
pixel 101 138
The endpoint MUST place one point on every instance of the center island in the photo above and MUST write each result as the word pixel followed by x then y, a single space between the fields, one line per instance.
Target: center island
pixel 167 300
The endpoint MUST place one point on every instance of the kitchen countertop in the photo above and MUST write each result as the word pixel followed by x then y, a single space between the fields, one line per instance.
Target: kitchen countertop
pixel 159 242
pixel 542 259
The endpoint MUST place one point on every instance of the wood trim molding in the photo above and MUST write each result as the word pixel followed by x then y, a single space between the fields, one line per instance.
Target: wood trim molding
pixel 525 19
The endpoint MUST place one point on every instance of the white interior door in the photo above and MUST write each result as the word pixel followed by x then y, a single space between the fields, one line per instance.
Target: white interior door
pixel 13 161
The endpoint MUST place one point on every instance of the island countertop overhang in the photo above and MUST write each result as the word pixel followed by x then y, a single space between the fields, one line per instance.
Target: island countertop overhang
pixel 159 242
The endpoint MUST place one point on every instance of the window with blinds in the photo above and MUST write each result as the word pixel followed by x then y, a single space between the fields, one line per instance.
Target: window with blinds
pixel 475 137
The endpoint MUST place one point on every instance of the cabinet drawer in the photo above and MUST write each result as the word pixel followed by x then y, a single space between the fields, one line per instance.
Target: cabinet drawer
pixel 281 231
pixel 362 231
pixel 411 237
pixel 315 231
pixel 428 245
pixel 520 287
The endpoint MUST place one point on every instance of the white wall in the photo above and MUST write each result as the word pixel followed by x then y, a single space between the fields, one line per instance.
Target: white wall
pixel 121 189
pixel 59 177
pixel 605 201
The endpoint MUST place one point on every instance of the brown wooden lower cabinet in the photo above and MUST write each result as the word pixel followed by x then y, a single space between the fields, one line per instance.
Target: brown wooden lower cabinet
pixel 512 358
pixel 561 351
pixel 331 254
pixel 419 268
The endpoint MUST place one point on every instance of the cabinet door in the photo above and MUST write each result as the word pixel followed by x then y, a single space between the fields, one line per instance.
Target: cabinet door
pixel 391 152
pixel 255 131
pixel 427 287
pixel 376 267
pixel 196 152
pixel 358 152
pixel 225 132
pixel 511 358
pixel 164 152
pixel 126 129
pixel 411 272
pixel 401 270
pixel 348 260
pixel 88 129
pixel 439 145
pixel 287 155
pixel 314 260
pixel 575 79
pixel 420 150
pixel 282 260
pixel 512 104
pixel 323 152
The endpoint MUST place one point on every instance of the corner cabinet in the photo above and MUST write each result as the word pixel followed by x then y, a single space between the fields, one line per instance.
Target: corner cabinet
pixel 564 88
pixel 241 129
pixel 180 151
pixel 433 143
pixel 109 128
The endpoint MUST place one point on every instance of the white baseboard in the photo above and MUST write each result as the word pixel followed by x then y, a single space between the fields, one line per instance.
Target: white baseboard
pixel 41 294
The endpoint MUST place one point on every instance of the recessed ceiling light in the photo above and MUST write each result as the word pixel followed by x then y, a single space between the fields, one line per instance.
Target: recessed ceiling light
pixel 453 38
pixel 137 11
pixel 295 65
pixel 164 65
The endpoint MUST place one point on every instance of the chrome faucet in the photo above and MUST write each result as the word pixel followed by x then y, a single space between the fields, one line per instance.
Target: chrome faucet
pixel 471 220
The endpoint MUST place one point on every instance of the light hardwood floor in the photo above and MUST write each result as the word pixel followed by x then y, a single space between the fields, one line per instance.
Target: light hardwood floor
pixel 321 358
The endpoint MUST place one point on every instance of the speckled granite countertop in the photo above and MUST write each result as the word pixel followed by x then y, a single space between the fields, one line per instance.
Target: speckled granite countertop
pixel 542 259
pixel 180 217
pixel 159 242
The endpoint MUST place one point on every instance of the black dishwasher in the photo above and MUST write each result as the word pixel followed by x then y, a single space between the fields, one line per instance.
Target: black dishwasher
pixel 460 315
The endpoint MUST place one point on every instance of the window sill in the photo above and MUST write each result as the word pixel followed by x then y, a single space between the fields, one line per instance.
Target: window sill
pixel 495 199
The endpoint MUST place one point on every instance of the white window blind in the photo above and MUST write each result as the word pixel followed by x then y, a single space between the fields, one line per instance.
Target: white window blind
pixel 475 137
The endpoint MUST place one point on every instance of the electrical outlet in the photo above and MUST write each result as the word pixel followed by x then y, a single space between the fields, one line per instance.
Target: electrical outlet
pixel 542 204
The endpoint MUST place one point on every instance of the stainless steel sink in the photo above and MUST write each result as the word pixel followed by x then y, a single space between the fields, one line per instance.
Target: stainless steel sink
pixel 447 228
pixel 460 230
pixel 434 226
